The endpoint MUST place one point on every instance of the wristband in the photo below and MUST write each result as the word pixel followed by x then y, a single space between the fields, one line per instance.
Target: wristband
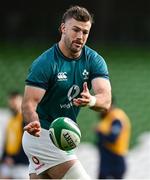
pixel 92 101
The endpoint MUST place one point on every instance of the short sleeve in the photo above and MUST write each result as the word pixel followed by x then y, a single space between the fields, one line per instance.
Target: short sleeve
pixel 98 67
pixel 39 72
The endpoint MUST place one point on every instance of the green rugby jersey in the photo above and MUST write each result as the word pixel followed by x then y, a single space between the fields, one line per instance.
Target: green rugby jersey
pixel 63 79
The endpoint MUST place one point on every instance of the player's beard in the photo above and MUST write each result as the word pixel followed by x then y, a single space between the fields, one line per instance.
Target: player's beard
pixel 75 46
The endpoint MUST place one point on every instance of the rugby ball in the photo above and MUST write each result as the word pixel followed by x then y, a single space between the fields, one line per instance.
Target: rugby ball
pixel 65 133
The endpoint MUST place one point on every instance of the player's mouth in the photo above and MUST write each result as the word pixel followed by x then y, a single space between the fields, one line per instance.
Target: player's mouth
pixel 77 43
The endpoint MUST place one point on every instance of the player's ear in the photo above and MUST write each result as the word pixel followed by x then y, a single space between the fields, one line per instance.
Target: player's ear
pixel 62 28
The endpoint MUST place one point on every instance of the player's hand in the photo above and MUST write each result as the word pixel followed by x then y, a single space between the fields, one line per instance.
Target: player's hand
pixel 33 128
pixel 85 97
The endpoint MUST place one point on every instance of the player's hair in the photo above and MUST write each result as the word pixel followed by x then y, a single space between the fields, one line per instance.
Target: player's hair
pixel 78 13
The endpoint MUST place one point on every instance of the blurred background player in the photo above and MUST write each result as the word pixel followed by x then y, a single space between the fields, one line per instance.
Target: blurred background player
pixel 113 135
pixel 14 162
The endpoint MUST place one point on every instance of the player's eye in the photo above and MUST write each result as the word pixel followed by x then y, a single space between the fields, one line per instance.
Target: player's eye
pixel 76 30
pixel 85 32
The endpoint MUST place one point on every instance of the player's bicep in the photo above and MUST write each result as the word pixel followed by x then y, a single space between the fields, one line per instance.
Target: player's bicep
pixel 102 91
pixel 33 94
pixel 101 86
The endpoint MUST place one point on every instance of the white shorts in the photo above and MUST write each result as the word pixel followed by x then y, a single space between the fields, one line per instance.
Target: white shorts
pixel 42 153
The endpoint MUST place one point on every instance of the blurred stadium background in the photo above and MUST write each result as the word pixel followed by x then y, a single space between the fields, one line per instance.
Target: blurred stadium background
pixel 121 34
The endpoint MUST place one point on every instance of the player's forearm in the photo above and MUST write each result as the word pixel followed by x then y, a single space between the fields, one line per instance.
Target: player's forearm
pixel 102 102
pixel 29 112
pixel 102 91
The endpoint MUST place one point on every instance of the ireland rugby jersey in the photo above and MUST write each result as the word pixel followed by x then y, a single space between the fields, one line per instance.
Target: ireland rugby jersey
pixel 63 79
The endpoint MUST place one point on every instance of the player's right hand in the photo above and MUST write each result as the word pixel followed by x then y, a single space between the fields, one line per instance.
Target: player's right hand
pixel 85 97
pixel 33 128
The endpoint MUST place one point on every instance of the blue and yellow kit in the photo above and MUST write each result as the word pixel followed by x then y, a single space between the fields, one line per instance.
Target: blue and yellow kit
pixel 121 143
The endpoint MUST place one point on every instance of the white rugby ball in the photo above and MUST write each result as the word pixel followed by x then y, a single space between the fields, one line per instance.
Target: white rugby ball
pixel 65 133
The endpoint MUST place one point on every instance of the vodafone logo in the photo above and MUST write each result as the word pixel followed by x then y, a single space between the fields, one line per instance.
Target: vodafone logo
pixel 35 160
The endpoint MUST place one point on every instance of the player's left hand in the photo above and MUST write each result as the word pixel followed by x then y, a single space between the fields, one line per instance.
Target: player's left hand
pixel 85 97
pixel 33 128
